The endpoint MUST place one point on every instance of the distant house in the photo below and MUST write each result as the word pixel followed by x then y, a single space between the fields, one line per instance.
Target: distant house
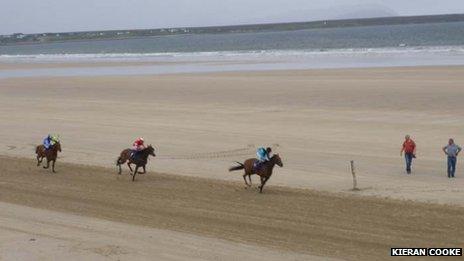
pixel 19 36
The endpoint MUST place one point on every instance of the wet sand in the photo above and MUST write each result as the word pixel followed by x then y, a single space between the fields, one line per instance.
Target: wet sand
pixel 35 234
pixel 291 222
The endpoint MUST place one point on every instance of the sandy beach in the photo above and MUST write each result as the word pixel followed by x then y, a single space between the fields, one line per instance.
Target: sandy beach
pixel 36 234
pixel 213 219
pixel 317 120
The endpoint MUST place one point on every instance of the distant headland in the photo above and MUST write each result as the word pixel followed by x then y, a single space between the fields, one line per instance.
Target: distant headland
pixel 20 38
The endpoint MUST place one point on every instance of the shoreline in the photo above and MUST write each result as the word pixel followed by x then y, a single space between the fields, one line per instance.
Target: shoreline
pixel 127 64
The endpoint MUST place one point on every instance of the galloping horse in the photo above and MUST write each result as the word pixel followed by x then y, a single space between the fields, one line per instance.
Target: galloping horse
pixel 51 154
pixel 140 160
pixel 264 172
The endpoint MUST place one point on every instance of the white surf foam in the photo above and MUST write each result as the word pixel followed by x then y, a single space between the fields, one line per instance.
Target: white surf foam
pixel 232 55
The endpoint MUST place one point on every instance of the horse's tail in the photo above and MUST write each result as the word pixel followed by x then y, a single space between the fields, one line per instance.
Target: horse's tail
pixel 239 167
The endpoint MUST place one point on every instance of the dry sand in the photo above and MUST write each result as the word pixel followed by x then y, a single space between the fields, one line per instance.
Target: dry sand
pixel 317 120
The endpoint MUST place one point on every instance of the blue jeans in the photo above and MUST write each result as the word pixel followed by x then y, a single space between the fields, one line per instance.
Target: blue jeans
pixel 451 166
pixel 408 158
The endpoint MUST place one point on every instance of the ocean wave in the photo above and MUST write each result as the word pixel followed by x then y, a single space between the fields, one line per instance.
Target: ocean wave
pixel 79 57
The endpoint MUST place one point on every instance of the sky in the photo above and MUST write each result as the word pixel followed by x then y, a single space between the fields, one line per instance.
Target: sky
pixel 37 16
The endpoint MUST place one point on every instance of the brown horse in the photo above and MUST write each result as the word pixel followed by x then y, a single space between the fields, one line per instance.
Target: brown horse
pixel 140 160
pixel 264 172
pixel 51 154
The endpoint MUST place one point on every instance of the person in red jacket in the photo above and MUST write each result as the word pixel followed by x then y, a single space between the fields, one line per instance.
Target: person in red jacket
pixel 137 146
pixel 409 149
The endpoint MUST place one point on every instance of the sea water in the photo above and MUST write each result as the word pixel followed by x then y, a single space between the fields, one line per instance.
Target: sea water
pixel 367 46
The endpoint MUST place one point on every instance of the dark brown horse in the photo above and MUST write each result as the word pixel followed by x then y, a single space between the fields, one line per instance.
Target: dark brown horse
pixel 264 172
pixel 51 154
pixel 140 160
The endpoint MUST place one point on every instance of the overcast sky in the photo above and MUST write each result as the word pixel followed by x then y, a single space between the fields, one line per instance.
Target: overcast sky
pixel 32 16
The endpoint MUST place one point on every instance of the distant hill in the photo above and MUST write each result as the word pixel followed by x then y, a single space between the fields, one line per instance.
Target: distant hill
pixel 366 11
pixel 340 12
pixel 124 34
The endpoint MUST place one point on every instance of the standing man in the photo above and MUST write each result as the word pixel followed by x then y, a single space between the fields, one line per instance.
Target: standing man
pixel 409 149
pixel 451 150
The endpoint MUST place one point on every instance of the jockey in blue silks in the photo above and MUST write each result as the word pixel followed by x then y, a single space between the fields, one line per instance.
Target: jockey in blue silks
pixel 49 141
pixel 263 156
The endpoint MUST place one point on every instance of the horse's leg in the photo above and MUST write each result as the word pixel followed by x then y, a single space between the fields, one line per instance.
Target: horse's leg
pixel 38 160
pixel 135 172
pixel 144 170
pixel 53 166
pixel 48 164
pixel 262 181
pixel 129 165
pixel 249 177
pixel 262 184
pixel 244 178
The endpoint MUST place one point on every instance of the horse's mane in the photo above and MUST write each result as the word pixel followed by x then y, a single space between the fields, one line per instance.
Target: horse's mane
pixel 148 147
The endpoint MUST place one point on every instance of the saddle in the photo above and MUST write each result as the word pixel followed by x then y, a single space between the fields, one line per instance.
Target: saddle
pixel 258 165
pixel 134 154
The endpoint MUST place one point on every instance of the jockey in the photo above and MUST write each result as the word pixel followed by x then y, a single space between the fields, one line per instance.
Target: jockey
pixel 137 146
pixel 263 156
pixel 49 141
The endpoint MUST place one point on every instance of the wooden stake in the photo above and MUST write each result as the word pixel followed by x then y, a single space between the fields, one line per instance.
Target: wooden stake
pixel 353 172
